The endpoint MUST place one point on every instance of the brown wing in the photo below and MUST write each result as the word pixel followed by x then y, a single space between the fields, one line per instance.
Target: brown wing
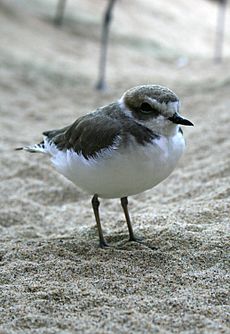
pixel 87 135
pixel 93 132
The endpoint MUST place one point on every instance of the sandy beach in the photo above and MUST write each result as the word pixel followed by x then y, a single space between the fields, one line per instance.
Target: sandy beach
pixel 53 276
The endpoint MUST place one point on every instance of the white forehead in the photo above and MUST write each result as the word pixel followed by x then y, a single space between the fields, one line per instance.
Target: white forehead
pixel 173 107
pixel 167 109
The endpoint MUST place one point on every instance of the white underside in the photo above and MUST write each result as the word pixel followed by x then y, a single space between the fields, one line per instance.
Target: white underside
pixel 120 170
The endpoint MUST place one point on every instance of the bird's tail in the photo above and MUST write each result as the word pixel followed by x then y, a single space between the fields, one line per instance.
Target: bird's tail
pixel 36 148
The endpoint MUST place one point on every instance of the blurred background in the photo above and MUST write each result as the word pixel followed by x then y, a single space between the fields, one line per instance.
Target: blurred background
pixel 59 41
pixel 51 57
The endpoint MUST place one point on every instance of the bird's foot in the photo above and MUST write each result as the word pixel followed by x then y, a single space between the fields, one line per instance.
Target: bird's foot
pixel 136 239
pixel 103 244
pixel 141 241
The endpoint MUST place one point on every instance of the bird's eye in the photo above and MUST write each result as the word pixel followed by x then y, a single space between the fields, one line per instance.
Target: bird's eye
pixel 146 108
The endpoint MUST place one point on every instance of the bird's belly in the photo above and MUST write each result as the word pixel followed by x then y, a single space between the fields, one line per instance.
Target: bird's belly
pixel 123 171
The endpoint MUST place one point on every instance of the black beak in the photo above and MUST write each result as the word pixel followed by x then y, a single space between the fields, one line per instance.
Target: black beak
pixel 176 118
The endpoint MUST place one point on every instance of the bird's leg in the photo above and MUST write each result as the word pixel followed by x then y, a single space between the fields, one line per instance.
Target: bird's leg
pixel 124 204
pixel 95 204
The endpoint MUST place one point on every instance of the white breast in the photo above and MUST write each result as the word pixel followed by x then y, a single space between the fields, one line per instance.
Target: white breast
pixel 121 170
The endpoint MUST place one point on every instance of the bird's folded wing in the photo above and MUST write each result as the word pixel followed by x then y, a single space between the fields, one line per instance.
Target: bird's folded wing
pixel 88 135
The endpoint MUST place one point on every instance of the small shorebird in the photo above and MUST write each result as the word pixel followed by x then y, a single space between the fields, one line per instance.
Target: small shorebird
pixel 121 149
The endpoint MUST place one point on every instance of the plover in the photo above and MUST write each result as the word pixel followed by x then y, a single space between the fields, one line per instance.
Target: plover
pixel 120 149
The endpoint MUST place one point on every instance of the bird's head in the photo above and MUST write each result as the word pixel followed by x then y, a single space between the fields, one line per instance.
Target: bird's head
pixel 154 106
